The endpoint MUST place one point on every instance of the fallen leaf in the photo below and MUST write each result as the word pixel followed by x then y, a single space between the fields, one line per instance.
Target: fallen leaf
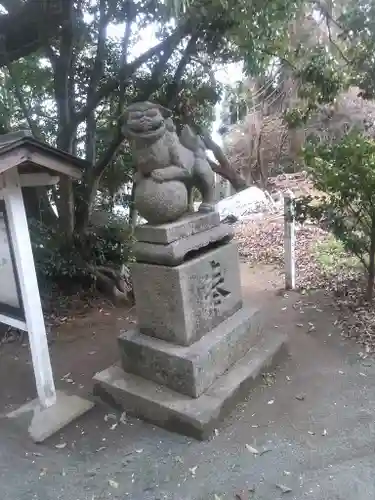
pixel 109 416
pixel 113 483
pixel 193 470
pixel 60 446
pixel 252 450
pixel 283 488
pixel 241 495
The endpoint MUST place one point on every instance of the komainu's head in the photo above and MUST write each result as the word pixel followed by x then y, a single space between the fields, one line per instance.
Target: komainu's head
pixel 145 120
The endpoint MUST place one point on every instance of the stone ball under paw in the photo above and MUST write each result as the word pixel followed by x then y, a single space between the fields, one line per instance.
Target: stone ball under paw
pixel 160 203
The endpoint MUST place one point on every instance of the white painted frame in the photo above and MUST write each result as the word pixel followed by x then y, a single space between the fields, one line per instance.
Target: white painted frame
pixel 10 191
pixel 289 242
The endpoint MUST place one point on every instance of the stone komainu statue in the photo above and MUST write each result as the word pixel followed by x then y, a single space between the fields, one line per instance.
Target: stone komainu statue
pixel 168 167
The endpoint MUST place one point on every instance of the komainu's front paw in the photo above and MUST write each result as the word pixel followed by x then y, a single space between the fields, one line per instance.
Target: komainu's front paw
pixel 157 176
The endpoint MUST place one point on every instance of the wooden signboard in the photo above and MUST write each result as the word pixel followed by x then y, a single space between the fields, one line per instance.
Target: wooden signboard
pixel 26 162
pixel 10 294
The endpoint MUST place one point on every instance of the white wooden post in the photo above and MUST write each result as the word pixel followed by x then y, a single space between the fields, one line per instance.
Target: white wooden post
pixel 289 242
pixel 24 259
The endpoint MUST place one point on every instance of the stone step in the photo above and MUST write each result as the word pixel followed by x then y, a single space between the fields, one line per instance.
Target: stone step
pixel 191 370
pixel 164 234
pixel 175 253
pixel 196 417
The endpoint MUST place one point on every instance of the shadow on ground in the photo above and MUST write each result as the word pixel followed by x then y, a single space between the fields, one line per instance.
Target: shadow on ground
pixel 312 421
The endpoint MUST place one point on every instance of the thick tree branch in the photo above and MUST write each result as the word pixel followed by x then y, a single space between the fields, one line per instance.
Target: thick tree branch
pixel 24 108
pixel 330 38
pixel 126 72
pixel 174 87
pixel 61 82
pixel 157 74
pixel 223 167
pixel 96 75
pixel 118 138
pixel 29 25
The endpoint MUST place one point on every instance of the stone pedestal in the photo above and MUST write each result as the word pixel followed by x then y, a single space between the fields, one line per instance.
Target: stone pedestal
pixel 196 347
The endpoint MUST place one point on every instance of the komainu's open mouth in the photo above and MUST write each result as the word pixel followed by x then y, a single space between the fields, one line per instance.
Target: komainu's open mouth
pixel 144 128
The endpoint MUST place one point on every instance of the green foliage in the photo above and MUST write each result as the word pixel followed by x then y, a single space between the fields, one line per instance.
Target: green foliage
pixel 357 43
pixel 320 81
pixel 345 173
pixel 70 265
pixel 332 256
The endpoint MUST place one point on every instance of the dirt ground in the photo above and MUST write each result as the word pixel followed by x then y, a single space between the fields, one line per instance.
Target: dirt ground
pixel 312 421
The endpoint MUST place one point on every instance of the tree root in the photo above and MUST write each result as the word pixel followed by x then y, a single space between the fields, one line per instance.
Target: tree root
pixel 116 285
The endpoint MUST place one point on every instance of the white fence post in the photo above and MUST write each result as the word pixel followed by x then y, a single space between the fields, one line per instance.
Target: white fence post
pixel 289 242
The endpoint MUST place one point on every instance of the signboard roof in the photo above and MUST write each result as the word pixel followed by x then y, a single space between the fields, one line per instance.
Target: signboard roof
pixel 20 149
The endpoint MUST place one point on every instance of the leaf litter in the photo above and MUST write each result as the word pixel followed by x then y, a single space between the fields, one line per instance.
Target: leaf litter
pixel 261 241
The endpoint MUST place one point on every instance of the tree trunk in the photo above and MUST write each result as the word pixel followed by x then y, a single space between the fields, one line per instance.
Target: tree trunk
pixel 38 205
pixel 85 203
pixel 65 199
pixel 371 266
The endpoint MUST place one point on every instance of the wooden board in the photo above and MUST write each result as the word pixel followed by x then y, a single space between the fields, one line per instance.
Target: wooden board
pixel 10 296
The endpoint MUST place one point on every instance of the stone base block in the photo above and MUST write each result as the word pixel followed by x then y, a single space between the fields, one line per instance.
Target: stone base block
pixel 173 254
pixel 183 228
pixel 191 370
pixel 41 423
pixel 193 417
pixel 180 304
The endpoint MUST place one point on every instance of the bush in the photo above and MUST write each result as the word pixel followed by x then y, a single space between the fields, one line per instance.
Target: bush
pixel 345 172
pixel 69 264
